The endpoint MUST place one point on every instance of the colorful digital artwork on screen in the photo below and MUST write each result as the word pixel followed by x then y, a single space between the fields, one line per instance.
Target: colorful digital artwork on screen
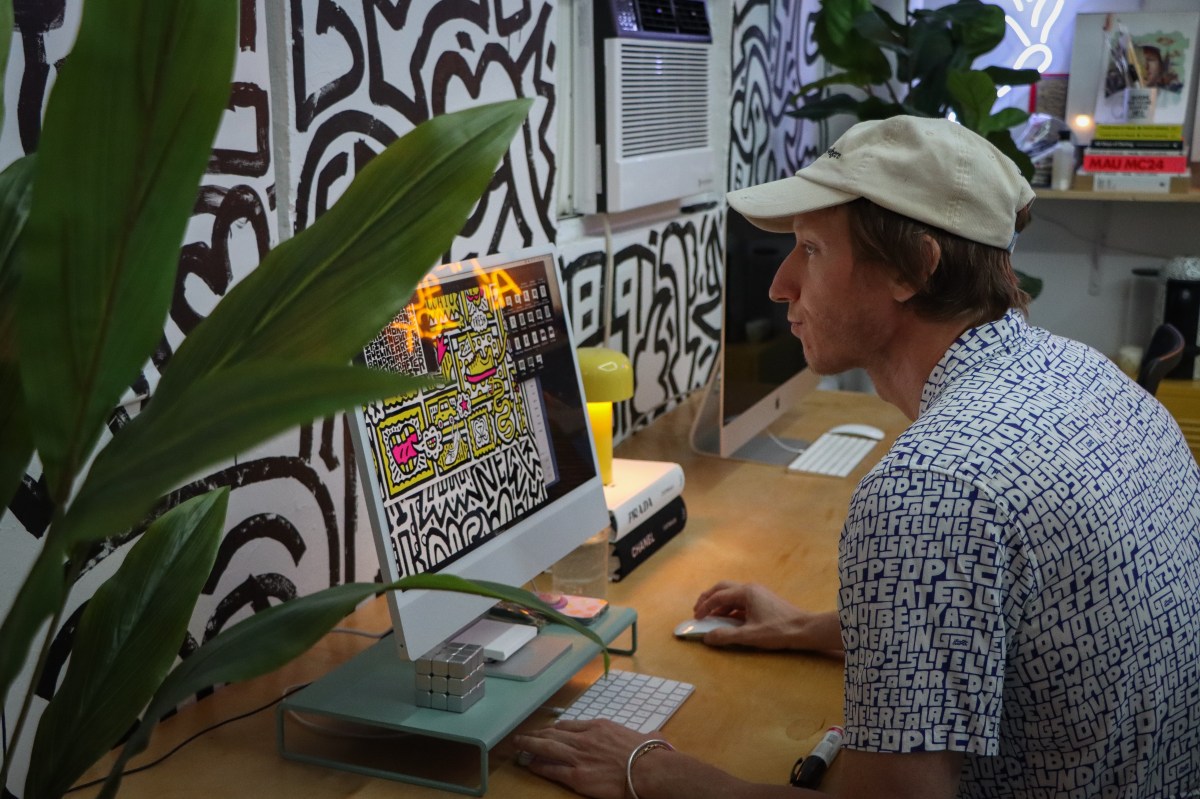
pixel 457 462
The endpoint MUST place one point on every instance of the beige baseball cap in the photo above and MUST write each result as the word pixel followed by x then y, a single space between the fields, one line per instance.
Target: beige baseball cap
pixel 932 170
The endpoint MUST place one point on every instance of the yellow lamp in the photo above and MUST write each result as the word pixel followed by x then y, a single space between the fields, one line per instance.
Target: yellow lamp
pixel 607 378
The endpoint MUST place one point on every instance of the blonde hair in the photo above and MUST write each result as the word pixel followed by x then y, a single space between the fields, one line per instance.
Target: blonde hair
pixel 972 281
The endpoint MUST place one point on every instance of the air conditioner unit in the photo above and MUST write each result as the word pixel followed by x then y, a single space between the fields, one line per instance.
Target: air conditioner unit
pixel 643 86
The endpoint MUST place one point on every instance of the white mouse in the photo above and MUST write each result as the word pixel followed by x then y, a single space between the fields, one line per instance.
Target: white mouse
pixel 698 628
pixel 860 430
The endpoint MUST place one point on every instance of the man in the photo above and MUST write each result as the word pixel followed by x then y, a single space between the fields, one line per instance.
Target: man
pixel 1020 574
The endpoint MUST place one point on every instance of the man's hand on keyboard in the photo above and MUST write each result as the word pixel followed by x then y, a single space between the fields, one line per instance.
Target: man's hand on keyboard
pixel 771 622
pixel 586 756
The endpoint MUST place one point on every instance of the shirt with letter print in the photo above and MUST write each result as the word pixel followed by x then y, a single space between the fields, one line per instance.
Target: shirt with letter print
pixel 1020 578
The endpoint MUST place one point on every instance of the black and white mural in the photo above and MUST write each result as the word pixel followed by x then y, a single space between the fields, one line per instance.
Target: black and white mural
pixel 363 73
pixel 773 55
pixel 665 311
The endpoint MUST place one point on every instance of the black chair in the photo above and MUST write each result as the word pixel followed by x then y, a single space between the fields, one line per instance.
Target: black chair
pixel 1163 355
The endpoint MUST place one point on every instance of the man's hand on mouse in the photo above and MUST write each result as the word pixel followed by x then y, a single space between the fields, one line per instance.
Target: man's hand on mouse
pixel 770 622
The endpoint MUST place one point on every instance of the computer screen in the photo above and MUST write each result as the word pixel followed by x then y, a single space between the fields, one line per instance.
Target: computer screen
pixel 761 372
pixel 491 474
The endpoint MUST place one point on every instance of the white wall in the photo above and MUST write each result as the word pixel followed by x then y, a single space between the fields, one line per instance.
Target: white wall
pixel 1085 251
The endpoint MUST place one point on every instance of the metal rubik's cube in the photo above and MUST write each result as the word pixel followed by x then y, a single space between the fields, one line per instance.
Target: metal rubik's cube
pixel 450 677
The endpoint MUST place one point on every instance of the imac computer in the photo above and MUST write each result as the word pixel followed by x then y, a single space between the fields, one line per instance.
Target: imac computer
pixel 489 474
pixel 761 371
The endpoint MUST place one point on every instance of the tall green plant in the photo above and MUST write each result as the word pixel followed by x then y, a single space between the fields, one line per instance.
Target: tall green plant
pixel 929 72
pixel 90 232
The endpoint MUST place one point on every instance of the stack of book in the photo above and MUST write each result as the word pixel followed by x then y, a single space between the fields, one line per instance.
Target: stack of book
pixel 1135 158
pixel 645 509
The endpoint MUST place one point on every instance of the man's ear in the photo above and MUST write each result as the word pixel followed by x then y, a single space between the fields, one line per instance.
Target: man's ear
pixel 931 255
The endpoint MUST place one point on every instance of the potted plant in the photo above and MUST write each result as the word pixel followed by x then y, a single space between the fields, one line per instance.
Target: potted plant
pixel 90 231
pixel 919 65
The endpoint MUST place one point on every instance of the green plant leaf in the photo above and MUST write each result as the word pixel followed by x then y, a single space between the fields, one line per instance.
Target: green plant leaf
pixel 128 638
pixel 1005 144
pixel 1029 284
pixel 977 27
pixel 932 49
pixel 269 639
pixel 1002 76
pixel 930 98
pixel 825 107
pixel 44 590
pixel 833 26
pixel 973 95
pixel 330 289
pixel 837 79
pixel 878 108
pixel 223 414
pixel 879 28
pixel 869 108
pixel 16 444
pixel 1003 119
pixel 898 27
pixel 127 133
pixel 16 186
pixel 843 46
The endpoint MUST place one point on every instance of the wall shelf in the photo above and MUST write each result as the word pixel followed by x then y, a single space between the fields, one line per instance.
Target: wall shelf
pixel 1192 196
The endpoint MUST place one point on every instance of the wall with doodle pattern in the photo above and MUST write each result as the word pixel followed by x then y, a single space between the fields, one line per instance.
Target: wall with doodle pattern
pixel 320 86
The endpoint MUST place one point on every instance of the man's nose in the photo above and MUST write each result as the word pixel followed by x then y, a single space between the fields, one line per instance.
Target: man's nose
pixel 780 290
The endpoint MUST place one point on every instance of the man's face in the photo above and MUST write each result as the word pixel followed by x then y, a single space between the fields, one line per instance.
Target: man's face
pixel 844 312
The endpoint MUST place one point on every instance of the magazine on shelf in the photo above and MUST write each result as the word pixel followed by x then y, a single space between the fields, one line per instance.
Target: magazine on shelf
pixel 1137 67
pixel 1134 161
pixel 1163 146
pixel 1140 133
pixel 1132 182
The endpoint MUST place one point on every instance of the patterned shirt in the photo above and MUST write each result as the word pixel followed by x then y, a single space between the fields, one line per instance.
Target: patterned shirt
pixel 1020 578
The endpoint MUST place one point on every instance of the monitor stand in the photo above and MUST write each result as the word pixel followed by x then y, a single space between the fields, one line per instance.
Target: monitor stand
pixel 390 737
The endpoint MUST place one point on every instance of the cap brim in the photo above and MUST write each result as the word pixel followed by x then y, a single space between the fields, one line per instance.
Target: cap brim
pixel 771 206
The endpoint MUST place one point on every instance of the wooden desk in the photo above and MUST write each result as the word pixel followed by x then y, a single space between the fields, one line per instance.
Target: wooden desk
pixel 1182 399
pixel 752 713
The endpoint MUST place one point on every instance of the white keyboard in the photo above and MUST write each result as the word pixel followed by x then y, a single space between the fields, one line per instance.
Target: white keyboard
pixel 637 701
pixel 833 454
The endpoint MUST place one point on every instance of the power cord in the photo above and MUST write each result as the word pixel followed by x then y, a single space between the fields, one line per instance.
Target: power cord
pixel 291 689
pixel 1091 238
pixel 287 692
pixel 783 444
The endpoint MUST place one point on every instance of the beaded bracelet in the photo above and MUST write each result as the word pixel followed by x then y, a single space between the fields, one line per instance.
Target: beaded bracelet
pixel 638 751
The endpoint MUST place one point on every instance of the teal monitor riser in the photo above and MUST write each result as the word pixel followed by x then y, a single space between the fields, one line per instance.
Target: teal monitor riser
pixel 375 689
